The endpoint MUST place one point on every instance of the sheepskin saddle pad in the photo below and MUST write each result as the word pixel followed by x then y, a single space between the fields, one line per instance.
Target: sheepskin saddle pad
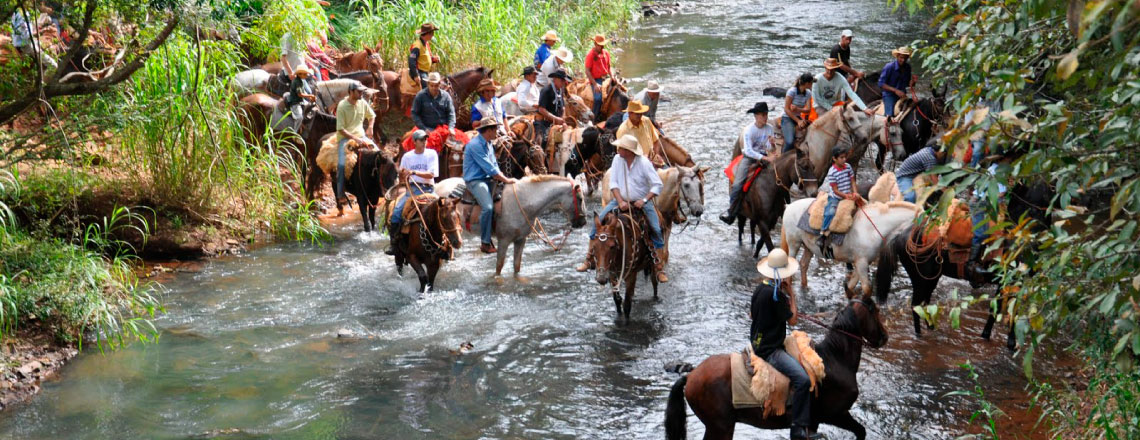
pixel 769 388
pixel 327 157
pixel 844 214
pixel 955 227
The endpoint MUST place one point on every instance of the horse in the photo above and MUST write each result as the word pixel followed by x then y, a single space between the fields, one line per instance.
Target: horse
pixel 523 203
pixel 250 81
pixel 866 88
pixel 852 126
pixel 708 387
pixel 872 224
pixel 615 96
pixel 459 85
pixel 373 175
pixel 516 155
pixel 769 193
pixel 431 238
pixel 678 184
pixel 917 126
pixel 926 263
pixel 621 251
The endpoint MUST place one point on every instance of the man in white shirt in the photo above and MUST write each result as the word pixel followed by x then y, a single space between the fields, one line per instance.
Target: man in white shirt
pixel 527 92
pixel 633 181
pixel 553 64
pixel 418 168
pixel 757 142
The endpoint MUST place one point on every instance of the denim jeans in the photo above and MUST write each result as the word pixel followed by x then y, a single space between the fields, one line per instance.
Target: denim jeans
pixel 416 189
pixel 976 153
pixel 906 187
pixel 481 190
pixel 788 128
pixel 650 217
pixel 829 212
pixel 597 109
pixel 340 168
pixel 739 176
pixel 978 215
pixel 297 111
pixel 889 100
pixel 801 399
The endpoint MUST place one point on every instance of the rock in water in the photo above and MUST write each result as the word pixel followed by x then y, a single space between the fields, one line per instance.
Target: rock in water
pixel 345 333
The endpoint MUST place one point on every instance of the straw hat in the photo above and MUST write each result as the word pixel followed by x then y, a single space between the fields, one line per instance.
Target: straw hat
pixel 636 107
pixel 564 55
pixel 653 87
pixel 902 51
pixel 551 36
pixel 831 64
pixel 434 78
pixel 427 28
pixel 601 40
pixel 486 84
pixel 778 263
pixel 487 122
pixel 629 142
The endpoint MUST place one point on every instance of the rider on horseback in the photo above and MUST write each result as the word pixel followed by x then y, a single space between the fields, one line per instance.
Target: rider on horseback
pixel 598 69
pixel 797 107
pixel 551 104
pixel 488 106
pixel 433 108
pixel 773 307
pixel 418 168
pixel 895 79
pixel 842 52
pixel 421 62
pixel 921 162
pixel 645 132
pixel 650 97
pixel 633 178
pixel 480 166
pixel 839 184
pixel 830 90
pixel 527 92
pixel 543 52
pixel 353 115
pixel 757 142
pixel 555 62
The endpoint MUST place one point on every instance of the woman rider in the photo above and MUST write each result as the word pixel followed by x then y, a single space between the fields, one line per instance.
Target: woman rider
pixel 797 106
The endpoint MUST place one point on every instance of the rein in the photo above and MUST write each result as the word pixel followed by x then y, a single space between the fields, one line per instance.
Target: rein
pixel 540 231
pixel 862 340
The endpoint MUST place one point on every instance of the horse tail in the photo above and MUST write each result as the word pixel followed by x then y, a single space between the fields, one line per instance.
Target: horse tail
pixel 675 428
pixel 889 263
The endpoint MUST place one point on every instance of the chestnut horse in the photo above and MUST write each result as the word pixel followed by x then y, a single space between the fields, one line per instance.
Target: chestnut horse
pixel 621 250
pixel 431 239
pixel 708 388
pixel 460 85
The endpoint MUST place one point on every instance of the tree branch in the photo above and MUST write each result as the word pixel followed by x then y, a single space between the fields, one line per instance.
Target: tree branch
pixel 78 41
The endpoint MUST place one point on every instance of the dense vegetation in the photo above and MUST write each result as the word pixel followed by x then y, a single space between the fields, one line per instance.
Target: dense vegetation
pixel 1070 72
pixel 164 140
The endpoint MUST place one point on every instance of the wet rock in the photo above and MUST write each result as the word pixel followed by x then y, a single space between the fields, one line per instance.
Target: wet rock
pixel 653 9
pixel 464 347
pixel 27 370
pixel 345 333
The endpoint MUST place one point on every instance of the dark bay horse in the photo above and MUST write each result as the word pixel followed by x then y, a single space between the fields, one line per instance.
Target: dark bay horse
pixel 918 126
pixel 461 85
pixel 432 238
pixel 925 263
pixel 770 192
pixel 622 249
pixel 370 180
pixel 518 154
pixel 708 388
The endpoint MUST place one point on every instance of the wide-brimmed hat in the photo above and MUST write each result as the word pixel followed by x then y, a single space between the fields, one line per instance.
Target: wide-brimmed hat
pixel 564 55
pixel 760 107
pixel 302 69
pixel 434 78
pixel 653 87
pixel 486 84
pixel 551 36
pixel 560 74
pixel 778 265
pixel 600 40
pixel 636 107
pixel 629 142
pixel 902 51
pixel 427 28
pixel 487 122
pixel 831 64
pixel 529 70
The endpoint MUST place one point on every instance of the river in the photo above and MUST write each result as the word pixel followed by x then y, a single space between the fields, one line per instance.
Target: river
pixel 249 346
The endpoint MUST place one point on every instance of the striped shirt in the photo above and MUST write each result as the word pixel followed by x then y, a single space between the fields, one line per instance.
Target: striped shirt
pixel 919 162
pixel 841 177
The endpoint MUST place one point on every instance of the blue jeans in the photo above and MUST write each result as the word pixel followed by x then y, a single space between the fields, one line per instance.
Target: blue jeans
pixel 829 212
pixel 739 176
pixel 801 399
pixel 889 100
pixel 979 219
pixel 597 109
pixel 788 128
pixel 481 190
pixel 340 168
pixel 650 217
pixel 906 187
pixel 978 150
pixel 416 189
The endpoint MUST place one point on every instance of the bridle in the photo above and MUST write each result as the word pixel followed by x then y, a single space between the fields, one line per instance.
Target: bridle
pixel 851 303
pixel 799 177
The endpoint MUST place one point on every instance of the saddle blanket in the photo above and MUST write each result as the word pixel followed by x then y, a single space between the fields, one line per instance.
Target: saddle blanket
pixel 836 238
pixel 769 388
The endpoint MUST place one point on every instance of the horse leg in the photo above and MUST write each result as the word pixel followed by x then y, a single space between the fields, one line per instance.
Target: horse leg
pixel 921 297
pixel 617 299
pixel 432 271
pixel 519 245
pixel 765 237
pixel 500 257
pixel 804 266
pixel 421 274
pixel 862 274
pixel 630 284
pixel 846 421
pixel 740 232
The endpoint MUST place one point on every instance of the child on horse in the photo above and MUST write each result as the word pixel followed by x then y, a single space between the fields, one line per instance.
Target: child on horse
pixel 418 168
pixel 839 184
pixel 757 142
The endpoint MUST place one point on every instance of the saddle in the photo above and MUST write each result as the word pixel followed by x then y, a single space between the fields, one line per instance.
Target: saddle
pixel 469 210
pixel 755 383
pixel 844 214
pixel 412 209
pixel 752 174
pixel 903 107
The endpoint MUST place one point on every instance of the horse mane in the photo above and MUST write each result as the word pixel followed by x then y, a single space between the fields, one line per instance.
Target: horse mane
pixel 836 344
pixel 469 70
pixel 539 178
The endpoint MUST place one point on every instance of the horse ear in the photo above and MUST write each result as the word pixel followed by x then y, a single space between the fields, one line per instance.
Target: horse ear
pixel 702 170
pixel 368 50
pixel 597 222
pixel 490 73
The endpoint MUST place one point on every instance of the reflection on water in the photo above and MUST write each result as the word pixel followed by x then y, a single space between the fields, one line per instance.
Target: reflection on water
pixel 250 347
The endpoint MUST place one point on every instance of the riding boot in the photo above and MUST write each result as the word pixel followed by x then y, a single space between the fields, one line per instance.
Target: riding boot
pixel 799 433
pixel 659 265
pixel 394 236
pixel 588 264
pixel 733 209
pixel 977 275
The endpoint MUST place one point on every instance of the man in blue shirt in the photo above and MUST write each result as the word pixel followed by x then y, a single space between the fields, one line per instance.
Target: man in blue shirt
pixel 922 161
pixel 543 52
pixel 978 274
pixel 480 167
pixel 895 79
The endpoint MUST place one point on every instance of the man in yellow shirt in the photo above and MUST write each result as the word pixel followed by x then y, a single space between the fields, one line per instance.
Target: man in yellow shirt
pixel 354 118
pixel 421 62
pixel 645 132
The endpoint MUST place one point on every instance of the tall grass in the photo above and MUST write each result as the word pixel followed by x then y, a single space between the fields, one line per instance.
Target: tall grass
pixel 500 34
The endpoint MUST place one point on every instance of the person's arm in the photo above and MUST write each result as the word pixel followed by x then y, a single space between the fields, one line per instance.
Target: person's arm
pixel 450 110
pixel 476 116
pixel 853 97
pixel 791 111
pixel 417 106
pixel 413 68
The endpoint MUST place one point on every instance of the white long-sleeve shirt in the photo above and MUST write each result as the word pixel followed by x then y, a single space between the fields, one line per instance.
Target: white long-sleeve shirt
pixel 826 92
pixel 634 181
pixel 549 66
pixel 527 95
pixel 757 140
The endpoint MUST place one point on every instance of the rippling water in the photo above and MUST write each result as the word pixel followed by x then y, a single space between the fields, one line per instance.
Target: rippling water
pixel 249 346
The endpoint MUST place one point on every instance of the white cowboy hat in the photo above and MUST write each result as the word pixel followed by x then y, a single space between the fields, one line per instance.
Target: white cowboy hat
pixel 902 51
pixel 653 87
pixel 302 69
pixel 629 142
pixel 434 78
pixel 778 263
pixel 564 55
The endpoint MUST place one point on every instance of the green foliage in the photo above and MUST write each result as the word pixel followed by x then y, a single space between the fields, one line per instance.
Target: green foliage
pixel 302 18
pixel 987 412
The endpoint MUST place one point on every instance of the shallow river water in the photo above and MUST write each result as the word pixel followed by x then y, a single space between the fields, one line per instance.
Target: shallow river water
pixel 249 346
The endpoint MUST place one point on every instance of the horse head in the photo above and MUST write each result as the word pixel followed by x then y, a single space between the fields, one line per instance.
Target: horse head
pixel 578 201
pixel 861 318
pixel 805 175
pixel 384 171
pixel 577 109
pixel 449 222
pixel 607 247
pixel 693 188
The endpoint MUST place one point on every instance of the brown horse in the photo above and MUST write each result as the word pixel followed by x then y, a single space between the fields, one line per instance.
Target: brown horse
pixel 460 85
pixel 431 238
pixel 622 249
pixel 708 388
pixel 770 192
pixel 615 96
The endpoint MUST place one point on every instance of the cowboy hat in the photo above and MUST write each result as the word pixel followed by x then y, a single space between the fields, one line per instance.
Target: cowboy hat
pixel 902 51
pixel 831 64
pixel 653 87
pixel 629 142
pixel 636 107
pixel 434 78
pixel 551 36
pixel 427 28
pixel 560 74
pixel 760 107
pixel 600 40
pixel 302 69
pixel 564 55
pixel 487 123
pixel 486 84
pixel 778 264
pixel 529 70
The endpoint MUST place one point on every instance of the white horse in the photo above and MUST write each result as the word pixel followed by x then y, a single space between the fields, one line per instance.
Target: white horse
pixel 872 224
pixel 251 81
pixel 510 106
pixel 329 93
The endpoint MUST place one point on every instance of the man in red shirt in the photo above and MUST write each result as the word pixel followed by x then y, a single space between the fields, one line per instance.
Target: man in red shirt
pixel 598 68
